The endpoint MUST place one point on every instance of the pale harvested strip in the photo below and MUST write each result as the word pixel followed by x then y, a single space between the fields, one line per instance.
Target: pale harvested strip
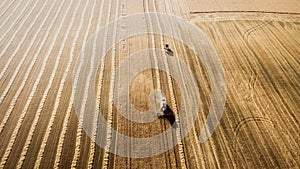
pixel 101 75
pixel 184 12
pixel 13 55
pixel 57 102
pixel 216 16
pixel 46 91
pixel 17 69
pixel 3 3
pixel 17 49
pixel 58 97
pixel 80 118
pixel 31 95
pixel 71 102
pixel 7 6
pixel 173 101
pixel 95 120
pixel 111 94
pixel 157 76
pixel 15 22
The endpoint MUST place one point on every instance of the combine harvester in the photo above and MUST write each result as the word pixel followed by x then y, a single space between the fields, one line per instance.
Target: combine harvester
pixel 166 113
pixel 168 50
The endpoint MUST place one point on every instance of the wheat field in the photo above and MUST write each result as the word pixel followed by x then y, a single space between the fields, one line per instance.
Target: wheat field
pixel 41 43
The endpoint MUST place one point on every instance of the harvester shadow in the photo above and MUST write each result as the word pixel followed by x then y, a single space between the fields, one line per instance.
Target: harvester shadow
pixel 169 52
pixel 169 115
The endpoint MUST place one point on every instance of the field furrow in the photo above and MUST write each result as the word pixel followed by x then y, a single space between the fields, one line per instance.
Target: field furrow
pixel 18 21
pixel 31 96
pixel 79 90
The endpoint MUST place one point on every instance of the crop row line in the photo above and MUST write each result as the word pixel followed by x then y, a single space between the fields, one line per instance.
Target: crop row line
pixel 82 108
pixel 111 94
pixel 15 22
pixel 32 93
pixel 17 69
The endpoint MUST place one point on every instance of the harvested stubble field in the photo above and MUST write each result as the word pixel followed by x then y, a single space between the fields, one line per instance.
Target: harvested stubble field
pixel 41 41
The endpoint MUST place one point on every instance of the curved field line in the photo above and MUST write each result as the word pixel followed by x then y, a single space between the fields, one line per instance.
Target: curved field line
pixel 274 88
pixel 80 118
pixel 17 94
pixel 14 23
pixel 32 93
pixel 245 121
pixel 17 69
pixel 250 30
pixel 268 100
pixel 95 120
pixel 7 7
pixel 249 119
pixel 46 92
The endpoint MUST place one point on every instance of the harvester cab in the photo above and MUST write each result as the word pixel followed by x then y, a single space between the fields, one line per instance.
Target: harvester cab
pixel 165 109
pixel 168 50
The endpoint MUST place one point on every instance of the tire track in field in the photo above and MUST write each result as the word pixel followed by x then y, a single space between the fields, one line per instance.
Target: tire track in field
pixel 71 102
pixel 150 27
pixel 249 31
pixel 268 75
pixel 255 51
pixel 15 22
pixel 97 111
pixel 181 8
pixel 22 116
pixel 27 74
pixel 286 105
pixel 111 93
pixel 18 48
pixel 124 27
pixel 157 76
pixel 7 7
pixel 80 118
pixel 244 121
pixel 4 2
pixel 61 87
pixel 46 92
pixel 156 68
pixel 19 44
pixel 172 95
pixel 251 67
pixel 18 18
